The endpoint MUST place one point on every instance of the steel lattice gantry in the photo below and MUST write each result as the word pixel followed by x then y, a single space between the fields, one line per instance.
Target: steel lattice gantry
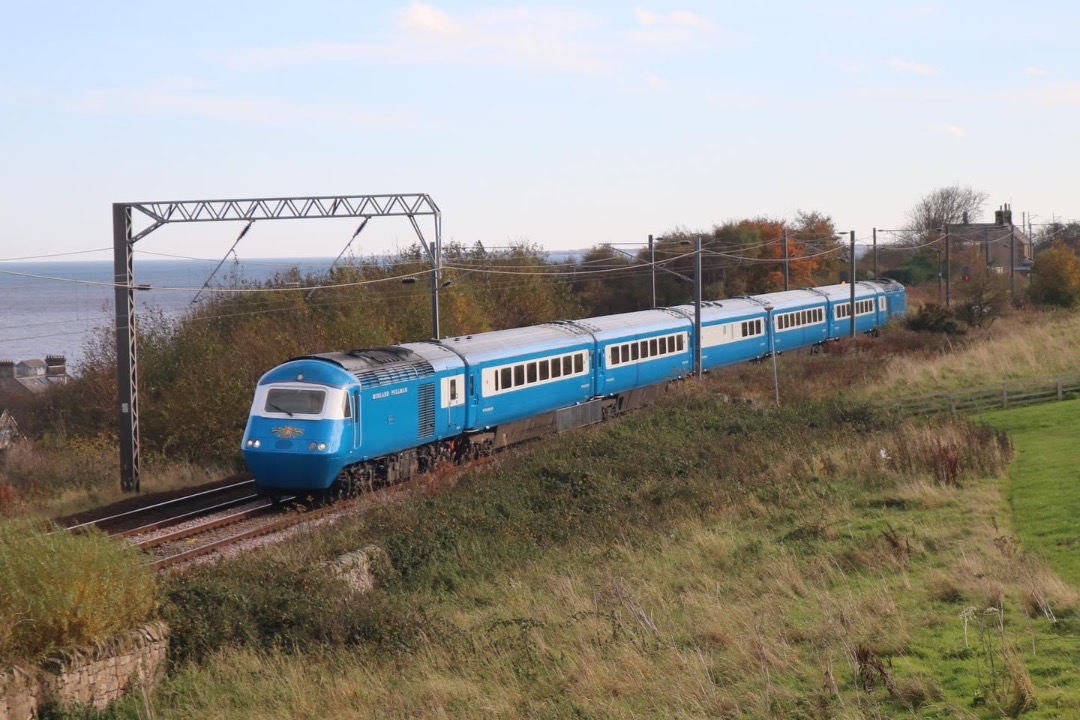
pixel 189 211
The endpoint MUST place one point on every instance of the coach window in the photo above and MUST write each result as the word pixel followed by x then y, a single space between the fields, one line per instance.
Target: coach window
pixel 679 342
pixel 654 347
pixel 519 375
pixel 671 343
pixel 506 382
pixel 567 365
pixel 556 367
pixel 579 362
pixel 633 351
pixel 532 372
pixel 453 389
pixel 644 345
pixel 614 355
pixel 544 367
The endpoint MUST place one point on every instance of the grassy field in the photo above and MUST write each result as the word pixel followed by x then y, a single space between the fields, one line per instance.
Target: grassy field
pixel 1044 481
pixel 819 561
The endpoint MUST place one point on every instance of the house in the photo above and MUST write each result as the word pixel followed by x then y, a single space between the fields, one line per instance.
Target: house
pixel 995 241
pixel 32 377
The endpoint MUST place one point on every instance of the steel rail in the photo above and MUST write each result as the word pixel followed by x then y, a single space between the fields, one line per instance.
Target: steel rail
pixel 175 519
pixel 286 522
pixel 205 527
pixel 157 506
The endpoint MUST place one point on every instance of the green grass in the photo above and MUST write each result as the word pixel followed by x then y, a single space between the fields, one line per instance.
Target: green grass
pixel 765 564
pixel 1044 481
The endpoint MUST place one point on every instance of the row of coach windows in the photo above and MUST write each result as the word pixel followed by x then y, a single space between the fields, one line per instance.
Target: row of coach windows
pixel 644 349
pixel 862 307
pixel 750 328
pixel 537 371
pixel 800 318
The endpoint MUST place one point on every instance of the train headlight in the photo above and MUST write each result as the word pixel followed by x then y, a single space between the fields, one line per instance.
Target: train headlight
pixel 316 446
pixel 253 443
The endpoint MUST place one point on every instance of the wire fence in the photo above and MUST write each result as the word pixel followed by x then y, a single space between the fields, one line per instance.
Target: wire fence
pixel 1034 391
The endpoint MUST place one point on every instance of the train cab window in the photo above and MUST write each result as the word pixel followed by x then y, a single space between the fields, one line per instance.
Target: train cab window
pixel 579 362
pixel 295 401
pixel 346 407
pixel 519 375
pixel 453 388
pixel 532 372
pixel 544 370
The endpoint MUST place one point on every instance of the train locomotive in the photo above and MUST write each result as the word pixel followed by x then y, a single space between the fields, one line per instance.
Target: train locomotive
pixel 332 424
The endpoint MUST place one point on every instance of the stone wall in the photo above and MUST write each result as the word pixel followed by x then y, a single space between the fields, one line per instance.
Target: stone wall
pixel 87 677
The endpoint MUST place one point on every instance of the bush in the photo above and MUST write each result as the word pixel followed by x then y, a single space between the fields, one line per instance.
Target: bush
pixel 935 318
pixel 61 590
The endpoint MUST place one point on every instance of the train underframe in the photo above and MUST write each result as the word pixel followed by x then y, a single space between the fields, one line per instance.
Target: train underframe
pixel 404 466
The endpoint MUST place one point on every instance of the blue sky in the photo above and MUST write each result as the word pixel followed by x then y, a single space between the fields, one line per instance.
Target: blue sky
pixel 565 124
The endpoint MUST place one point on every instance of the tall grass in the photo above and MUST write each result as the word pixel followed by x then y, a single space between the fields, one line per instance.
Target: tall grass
pixel 699 559
pixel 61 590
pixel 1020 345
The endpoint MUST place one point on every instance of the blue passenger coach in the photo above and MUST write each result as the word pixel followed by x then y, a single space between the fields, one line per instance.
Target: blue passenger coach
pixel 337 422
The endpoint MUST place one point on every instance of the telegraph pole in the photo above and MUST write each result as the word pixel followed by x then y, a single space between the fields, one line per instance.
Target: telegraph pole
pixel 697 307
pixel 786 264
pixel 948 269
pixel 852 281
pixel 875 254
pixel 652 268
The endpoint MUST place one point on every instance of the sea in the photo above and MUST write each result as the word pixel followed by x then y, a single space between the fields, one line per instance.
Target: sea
pixel 56 308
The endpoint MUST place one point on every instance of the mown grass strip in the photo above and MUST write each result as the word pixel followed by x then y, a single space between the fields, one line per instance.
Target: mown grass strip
pixel 1044 481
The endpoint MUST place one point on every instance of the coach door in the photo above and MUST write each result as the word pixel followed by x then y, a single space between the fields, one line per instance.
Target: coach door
pixel 354 401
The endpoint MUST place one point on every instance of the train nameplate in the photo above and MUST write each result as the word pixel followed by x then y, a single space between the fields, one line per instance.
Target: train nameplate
pixel 287 432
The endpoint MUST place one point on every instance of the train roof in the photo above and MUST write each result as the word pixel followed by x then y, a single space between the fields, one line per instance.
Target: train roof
pixel 497 344
pixel 608 327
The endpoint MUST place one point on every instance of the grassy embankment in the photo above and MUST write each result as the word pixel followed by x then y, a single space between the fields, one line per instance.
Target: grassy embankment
pixel 698 559
pixel 1044 481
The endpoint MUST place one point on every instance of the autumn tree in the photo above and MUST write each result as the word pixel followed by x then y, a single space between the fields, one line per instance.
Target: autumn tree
pixel 1055 277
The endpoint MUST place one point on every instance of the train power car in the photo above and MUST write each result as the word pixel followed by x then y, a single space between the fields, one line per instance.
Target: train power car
pixel 335 423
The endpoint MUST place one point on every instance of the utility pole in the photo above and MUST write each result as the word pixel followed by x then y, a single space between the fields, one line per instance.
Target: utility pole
pixel 652 268
pixel 875 253
pixel 852 281
pixel 697 307
pixel 1012 262
pixel 787 278
pixel 948 269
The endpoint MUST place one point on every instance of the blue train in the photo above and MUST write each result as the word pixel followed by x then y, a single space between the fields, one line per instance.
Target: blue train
pixel 333 424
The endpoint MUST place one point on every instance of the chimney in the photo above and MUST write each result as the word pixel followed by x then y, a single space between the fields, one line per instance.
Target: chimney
pixel 7 368
pixel 1006 215
pixel 55 365
pixel 965 219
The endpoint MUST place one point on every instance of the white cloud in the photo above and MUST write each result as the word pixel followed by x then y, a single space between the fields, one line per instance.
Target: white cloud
pixel 534 39
pixel 954 130
pixel 677 18
pixel 656 83
pixel 913 67
pixel 1037 72
pixel 192 98
pixel 425 18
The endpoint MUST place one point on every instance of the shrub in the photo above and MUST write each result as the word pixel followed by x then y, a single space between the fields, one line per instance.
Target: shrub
pixel 935 318
pixel 61 590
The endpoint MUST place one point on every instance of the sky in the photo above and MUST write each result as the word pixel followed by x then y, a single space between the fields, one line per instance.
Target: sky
pixel 562 124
